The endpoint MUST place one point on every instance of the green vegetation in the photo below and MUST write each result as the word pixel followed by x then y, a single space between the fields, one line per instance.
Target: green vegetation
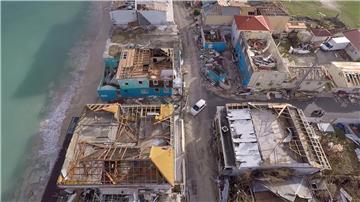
pixel 348 10
pixel 196 12
pixel 350 13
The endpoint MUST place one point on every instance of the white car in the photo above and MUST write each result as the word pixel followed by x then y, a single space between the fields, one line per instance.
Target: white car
pixel 200 105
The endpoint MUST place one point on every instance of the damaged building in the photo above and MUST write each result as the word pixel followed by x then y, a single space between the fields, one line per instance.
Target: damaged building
pixel 259 61
pixel 309 79
pixel 346 76
pixel 142 13
pixel 213 39
pixel 223 11
pixel 139 72
pixel 271 144
pixel 124 153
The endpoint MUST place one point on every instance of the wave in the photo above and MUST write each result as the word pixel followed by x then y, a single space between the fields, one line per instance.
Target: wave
pixel 60 100
pixel 50 128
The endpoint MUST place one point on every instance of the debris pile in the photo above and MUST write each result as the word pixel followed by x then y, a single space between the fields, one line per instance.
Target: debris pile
pixel 212 35
pixel 212 67
pixel 303 48
pixel 261 57
pixel 335 147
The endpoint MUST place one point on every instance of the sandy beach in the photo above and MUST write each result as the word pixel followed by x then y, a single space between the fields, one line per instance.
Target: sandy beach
pixel 40 166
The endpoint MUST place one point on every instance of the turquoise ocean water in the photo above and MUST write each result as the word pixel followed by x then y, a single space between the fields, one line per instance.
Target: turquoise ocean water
pixel 36 38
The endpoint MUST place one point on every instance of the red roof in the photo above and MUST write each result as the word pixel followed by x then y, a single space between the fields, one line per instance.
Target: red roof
pixel 354 37
pixel 321 32
pixel 251 22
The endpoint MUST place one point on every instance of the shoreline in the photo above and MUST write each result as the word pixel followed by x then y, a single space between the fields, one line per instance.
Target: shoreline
pixel 41 164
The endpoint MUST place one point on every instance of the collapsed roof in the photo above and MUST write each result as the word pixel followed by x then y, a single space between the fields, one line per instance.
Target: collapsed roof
pixel 144 62
pixel 262 51
pixel 260 135
pixel 118 146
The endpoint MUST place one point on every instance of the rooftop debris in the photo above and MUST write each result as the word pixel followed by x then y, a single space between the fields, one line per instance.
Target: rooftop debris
pixel 290 140
pixel 261 59
pixel 262 51
pixel 345 196
pixel 357 151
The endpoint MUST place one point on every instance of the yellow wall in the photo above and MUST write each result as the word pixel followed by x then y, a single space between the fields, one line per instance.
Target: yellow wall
pixel 246 10
pixel 337 77
pixel 278 23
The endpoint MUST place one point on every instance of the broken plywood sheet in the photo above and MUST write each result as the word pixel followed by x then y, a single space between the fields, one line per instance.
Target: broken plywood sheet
pixel 163 158
pixel 288 189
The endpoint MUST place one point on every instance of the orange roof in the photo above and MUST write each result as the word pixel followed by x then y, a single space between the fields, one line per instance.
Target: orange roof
pixel 320 32
pixel 252 22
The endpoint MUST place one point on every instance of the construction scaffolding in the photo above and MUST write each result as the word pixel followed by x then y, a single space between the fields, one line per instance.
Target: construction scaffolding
pixel 112 143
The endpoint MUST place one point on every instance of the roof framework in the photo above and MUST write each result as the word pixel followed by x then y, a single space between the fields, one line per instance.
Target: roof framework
pixel 316 74
pixel 350 71
pixel 111 146
pixel 271 9
pixel 144 63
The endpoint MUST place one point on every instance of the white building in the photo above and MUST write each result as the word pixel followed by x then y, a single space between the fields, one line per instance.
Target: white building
pixel 141 12
pixel 271 146
pixel 265 136
pixel 259 61
pixel 346 76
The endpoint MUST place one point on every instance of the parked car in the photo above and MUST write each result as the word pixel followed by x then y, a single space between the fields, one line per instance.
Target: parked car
pixel 199 105
pixel 333 44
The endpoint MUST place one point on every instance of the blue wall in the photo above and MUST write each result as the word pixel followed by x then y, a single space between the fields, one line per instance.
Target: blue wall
pixel 113 94
pixel 215 77
pixel 131 88
pixel 218 46
pixel 243 65
pixel 144 92
pixel 108 94
pixel 133 83
pixel 111 63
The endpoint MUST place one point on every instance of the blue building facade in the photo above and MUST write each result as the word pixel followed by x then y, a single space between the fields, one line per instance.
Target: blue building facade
pixel 145 87
pixel 213 39
pixel 137 73
pixel 243 62
pixel 219 46
pixel 215 77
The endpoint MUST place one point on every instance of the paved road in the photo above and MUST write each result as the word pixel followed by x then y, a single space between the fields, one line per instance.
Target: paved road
pixel 201 164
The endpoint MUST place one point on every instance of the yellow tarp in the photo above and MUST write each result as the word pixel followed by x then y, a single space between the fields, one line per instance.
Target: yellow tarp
pixel 165 112
pixel 112 108
pixel 163 158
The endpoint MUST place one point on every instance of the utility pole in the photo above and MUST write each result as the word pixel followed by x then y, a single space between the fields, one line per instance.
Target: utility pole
pixel 298 83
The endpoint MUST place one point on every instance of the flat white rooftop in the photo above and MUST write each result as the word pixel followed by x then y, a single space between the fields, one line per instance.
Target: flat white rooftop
pixel 263 134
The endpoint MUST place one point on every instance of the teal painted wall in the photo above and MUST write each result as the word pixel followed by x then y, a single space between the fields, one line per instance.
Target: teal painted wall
pixel 144 92
pixel 133 83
